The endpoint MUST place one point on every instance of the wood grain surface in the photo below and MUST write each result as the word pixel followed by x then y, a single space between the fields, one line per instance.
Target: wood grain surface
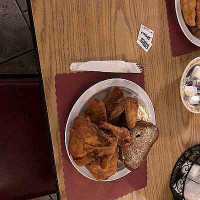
pixel 81 30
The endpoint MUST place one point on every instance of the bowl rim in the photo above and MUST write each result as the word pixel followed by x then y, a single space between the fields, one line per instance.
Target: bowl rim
pixel 192 63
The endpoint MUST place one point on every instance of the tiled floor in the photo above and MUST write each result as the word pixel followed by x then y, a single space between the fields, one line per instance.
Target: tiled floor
pixel 17 54
pixel 22 5
pixel 24 64
pixel 50 197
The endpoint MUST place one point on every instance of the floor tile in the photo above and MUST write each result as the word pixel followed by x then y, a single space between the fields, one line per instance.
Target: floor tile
pixel 25 64
pixel 42 198
pixel 22 4
pixel 26 16
pixel 53 196
pixel 15 37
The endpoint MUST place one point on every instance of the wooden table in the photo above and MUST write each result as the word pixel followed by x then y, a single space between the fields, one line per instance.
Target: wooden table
pixel 81 30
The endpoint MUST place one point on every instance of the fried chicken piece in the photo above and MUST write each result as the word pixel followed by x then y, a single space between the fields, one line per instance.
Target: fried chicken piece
pixel 118 110
pixel 82 124
pixel 80 152
pixel 189 11
pixel 89 143
pixel 198 13
pixel 123 134
pixel 131 111
pixel 105 154
pixel 109 144
pixel 83 139
pixel 195 31
pixel 96 111
pixel 103 173
pixel 76 146
pixel 130 106
pixel 87 131
pixel 115 93
pixel 84 160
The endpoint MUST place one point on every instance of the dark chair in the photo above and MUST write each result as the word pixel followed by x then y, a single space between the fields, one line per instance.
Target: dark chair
pixel 25 155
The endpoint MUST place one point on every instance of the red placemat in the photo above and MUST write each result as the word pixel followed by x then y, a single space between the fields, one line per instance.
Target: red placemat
pixel 69 88
pixel 179 43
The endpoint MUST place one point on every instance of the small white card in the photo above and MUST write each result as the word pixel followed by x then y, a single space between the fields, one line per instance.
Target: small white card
pixel 144 44
pixel 145 37
pixel 148 30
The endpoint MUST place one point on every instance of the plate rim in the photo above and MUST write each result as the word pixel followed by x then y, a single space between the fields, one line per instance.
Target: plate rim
pixel 183 26
pixel 153 120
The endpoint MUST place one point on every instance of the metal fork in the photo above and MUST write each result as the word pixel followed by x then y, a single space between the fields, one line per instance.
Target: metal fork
pixel 141 67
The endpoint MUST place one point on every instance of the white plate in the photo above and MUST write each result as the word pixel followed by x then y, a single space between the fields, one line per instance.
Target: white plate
pixel 99 90
pixel 183 25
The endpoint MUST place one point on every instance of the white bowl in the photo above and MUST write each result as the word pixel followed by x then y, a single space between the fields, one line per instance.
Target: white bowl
pixel 191 108
pixel 183 25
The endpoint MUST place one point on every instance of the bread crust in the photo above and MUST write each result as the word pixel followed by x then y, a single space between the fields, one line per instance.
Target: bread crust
pixel 143 136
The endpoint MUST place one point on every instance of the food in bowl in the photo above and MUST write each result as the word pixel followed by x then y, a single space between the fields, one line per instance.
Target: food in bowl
pixel 99 138
pixel 195 31
pixel 189 11
pixel 191 14
pixel 192 86
pixel 143 114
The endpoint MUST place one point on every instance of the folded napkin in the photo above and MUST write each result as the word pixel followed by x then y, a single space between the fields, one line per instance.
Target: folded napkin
pixel 114 66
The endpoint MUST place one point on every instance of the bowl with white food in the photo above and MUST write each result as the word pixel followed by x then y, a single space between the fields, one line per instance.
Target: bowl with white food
pixel 190 86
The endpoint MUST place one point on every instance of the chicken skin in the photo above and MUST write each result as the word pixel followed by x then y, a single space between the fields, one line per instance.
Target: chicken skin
pixel 96 111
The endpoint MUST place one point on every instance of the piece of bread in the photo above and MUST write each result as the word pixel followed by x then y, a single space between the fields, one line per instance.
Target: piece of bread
pixel 143 136
pixel 189 11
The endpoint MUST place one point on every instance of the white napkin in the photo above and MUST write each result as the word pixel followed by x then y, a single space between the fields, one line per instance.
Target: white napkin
pixel 115 66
